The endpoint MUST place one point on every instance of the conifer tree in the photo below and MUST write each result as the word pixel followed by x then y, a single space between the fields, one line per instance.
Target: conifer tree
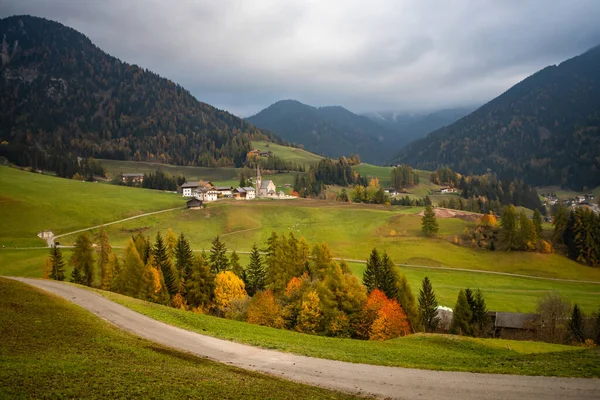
pixel 110 272
pixel 236 267
pixel 508 227
pixel 309 318
pixel 47 268
pixel 408 302
pixel 389 277
pixel 428 313
pixel 560 219
pixel 527 233
pixel 142 245
pixel 429 224
pixel 104 253
pixel 537 222
pixel 255 274
pixel 132 273
pixel 170 243
pixel 183 257
pixel 218 256
pixel 480 313
pixel 576 324
pixel 162 260
pixel 372 274
pixel 201 285
pixel 461 316
pixel 82 260
pixel 58 265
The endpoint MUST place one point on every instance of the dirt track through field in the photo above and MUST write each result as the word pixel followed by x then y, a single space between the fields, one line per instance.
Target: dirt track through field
pixel 389 382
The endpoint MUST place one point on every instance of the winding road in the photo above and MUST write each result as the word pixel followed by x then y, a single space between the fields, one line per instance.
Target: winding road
pixel 379 381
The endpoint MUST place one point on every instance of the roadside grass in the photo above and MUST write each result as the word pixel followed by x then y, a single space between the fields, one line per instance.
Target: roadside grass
pixel 424 351
pixel 190 173
pixel 31 202
pixel 53 349
pixel 293 154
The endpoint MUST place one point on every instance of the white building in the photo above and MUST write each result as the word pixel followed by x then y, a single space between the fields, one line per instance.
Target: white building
pixel 266 188
pixel 189 188
pixel 207 194
pixel 250 192
pixel 224 191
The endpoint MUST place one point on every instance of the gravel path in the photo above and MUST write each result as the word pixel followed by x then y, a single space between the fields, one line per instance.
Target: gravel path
pixel 379 381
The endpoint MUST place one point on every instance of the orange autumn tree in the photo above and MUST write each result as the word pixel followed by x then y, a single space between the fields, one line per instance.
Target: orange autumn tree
pixel 488 220
pixel 263 309
pixel 382 318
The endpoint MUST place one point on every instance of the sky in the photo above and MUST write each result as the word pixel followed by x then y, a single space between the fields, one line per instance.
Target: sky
pixel 368 56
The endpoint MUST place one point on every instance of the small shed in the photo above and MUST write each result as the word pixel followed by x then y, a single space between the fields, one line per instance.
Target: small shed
pixel 514 325
pixel 194 204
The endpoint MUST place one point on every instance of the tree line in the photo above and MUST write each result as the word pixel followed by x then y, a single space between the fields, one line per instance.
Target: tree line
pixel 577 232
pixel 404 176
pixel 326 172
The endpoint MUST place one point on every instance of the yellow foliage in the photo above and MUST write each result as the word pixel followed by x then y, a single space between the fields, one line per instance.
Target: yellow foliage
pixel 263 309
pixel 374 183
pixel 179 302
pixel 156 279
pixel 546 247
pixel 310 313
pixel 489 220
pixel 47 268
pixel 393 232
pixel 227 288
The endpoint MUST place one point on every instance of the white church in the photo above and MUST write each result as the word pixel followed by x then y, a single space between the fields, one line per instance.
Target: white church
pixel 264 188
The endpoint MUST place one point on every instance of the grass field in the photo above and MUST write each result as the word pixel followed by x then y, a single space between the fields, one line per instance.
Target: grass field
pixel 191 173
pixel 32 202
pixel 293 154
pixel 53 349
pixel 384 175
pixel 425 351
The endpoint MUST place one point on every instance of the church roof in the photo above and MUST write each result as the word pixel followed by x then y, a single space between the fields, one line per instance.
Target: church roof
pixel 265 184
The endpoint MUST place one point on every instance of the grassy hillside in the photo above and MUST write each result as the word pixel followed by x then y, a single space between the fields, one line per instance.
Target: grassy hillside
pixel 426 351
pixel 190 173
pixel 293 154
pixel 384 175
pixel 53 349
pixel 32 202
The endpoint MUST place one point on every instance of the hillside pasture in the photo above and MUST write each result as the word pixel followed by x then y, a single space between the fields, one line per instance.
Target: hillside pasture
pixel 115 167
pixel 292 154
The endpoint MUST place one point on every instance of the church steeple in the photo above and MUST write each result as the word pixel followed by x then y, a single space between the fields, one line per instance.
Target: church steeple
pixel 258 180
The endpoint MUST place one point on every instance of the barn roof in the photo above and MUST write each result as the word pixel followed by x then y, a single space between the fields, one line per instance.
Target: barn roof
pixel 189 185
pixel 515 320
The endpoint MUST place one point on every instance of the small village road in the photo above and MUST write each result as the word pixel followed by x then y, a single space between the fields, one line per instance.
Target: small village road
pixel 379 381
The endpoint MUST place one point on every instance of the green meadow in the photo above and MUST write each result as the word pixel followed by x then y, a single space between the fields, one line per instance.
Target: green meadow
pixel 51 348
pixel 424 188
pixel 293 154
pixel 425 351
pixel 191 173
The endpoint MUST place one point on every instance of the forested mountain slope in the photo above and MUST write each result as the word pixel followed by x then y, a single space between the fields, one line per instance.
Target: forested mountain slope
pixel 545 129
pixel 331 131
pixel 61 94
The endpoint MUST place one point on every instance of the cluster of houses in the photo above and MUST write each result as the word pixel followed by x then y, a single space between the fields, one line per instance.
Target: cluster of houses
pixel 585 200
pixel 260 153
pixel 205 191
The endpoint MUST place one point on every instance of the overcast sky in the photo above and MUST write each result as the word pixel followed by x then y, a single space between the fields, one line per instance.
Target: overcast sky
pixel 375 55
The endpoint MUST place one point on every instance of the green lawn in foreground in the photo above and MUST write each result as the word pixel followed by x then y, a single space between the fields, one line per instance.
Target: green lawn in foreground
pixel 425 351
pixel 31 202
pixel 293 154
pixel 53 349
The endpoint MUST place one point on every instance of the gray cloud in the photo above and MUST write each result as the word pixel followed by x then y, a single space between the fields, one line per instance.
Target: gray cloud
pixel 379 55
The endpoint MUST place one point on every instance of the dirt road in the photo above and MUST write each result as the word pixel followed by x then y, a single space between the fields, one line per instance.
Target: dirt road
pixel 398 383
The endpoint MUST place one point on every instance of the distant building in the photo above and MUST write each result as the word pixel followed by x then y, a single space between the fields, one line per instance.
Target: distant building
pixel 391 191
pixel 132 177
pixel 264 188
pixel 224 191
pixel 514 325
pixel 447 189
pixel 188 189
pixel 244 193
pixel 267 153
pixel 194 204
pixel 207 194
pixel 45 234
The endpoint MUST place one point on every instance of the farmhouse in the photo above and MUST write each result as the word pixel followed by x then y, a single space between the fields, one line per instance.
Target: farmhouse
pixel 447 189
pixel 188 189
pixel 132 178
pixel 194 204
pixel 224 191
pixel 514 325
pixel 208 193
pixel 247 193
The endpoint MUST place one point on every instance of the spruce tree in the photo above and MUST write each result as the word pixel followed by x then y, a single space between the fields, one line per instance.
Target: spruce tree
pixel 389 277
pixel 201 285
pixel 480 313
pixel 235 266
pixel 428 313
pixel 537 221
pixel 255 277
pixel 142 245
pixel 576 324
pixel 508 227
pixel 527 234
pixel 104 253
pixel 218 256
pixel 372 273
pixel 82 260
pixel 58 265
pixel 461 316
pixel 560 219
pixel 161 258
pixel 429 224
pixel 183 257
pixel 408 302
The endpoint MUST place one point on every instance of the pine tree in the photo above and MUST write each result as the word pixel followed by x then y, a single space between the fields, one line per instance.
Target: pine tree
pixel 110 272
pixel 408 302
pixel 428 305
pixel 161 257
pixel 560 219
pixel 82 260
pixel 183 257
pixel 389 277
pixel 508 227
pixel 537 221
pixel 201 284
pixel 236 267
pixel 527 233
pixel 461 316
pixel 104 252
pixel 132 273
pixel 372 273
pixel 255 274
pixel 480 313
pixel 142 244
pixel 58 265
pixel 218 256
pixel 170 243
pixel 429 224
pixel 576 324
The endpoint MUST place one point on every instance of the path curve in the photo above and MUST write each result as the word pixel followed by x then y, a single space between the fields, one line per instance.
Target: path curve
pixel 391 382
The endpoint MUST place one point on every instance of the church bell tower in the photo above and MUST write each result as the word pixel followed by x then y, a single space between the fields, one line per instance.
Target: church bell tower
pixel 258 180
